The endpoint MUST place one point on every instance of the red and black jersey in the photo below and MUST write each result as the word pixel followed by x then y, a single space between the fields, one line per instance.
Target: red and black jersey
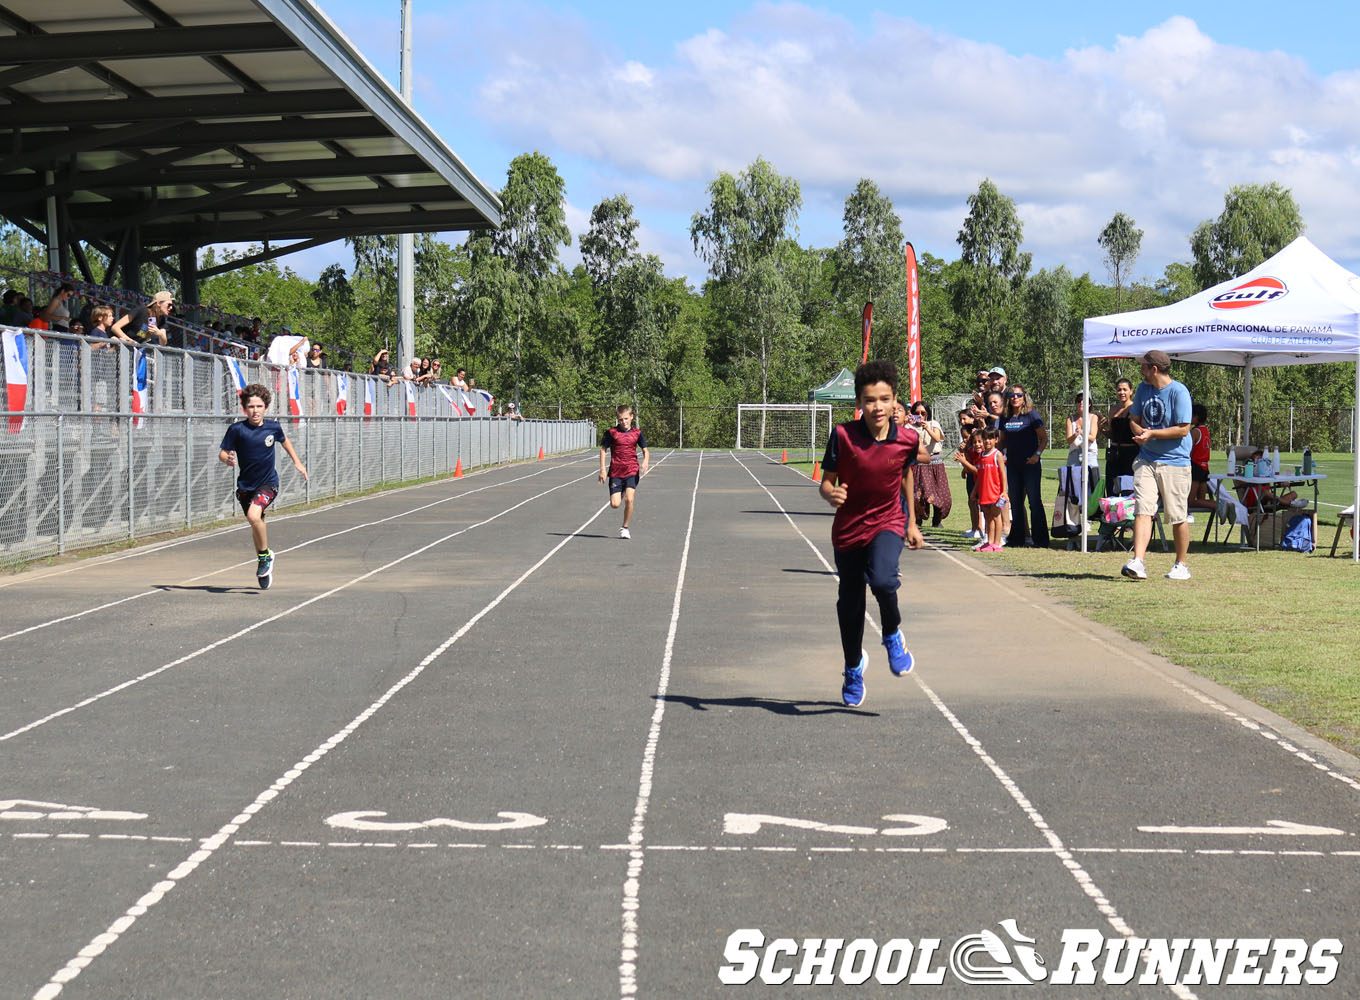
pixel 871 472
pixel 623 448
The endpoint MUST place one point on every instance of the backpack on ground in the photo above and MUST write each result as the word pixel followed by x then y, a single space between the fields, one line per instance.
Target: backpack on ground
pixel 1298 535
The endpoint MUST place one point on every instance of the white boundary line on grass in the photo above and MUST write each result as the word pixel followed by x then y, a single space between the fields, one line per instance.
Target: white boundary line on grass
pixel 273 618
pixel 1059 849
pixel 293 548
pixel 210 846
pixel 628 953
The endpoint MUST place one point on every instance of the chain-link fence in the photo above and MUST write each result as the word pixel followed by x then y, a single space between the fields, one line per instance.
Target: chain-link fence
pixel 79 467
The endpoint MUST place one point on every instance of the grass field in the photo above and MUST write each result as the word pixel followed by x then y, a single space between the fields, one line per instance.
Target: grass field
pixel 1279 628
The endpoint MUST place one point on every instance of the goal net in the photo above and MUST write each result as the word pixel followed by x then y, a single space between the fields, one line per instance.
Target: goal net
pixel 780 426
pixel 945 410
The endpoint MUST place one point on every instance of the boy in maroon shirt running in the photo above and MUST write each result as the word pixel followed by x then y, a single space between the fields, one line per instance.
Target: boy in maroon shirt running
pixel 622 443
pixel 866 473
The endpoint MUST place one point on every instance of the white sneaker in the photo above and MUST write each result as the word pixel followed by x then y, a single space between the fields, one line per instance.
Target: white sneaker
pixel 973 533
pixel 624 533
pixel 1134 570
pixel 1189 518
pixel 1180 571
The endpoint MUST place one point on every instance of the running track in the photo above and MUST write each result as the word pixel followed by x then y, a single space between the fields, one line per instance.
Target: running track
pixel 471 744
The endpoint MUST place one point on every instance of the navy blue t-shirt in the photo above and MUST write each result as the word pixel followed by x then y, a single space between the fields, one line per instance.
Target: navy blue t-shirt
pixel 1022 436
pixel 254 447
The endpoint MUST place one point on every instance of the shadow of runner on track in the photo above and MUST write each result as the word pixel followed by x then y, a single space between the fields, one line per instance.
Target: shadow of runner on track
pixel 795 513
pixel 809 572
pixel 779 706
pixel 208 588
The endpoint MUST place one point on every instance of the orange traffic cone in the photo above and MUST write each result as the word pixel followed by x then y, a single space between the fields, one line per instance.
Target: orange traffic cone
pixel 458 469
pixel 784 457
pixel 816 472
pixel 540 453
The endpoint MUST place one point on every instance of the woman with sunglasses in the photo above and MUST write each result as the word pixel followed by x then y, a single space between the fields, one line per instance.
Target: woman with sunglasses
pixel 1026 439
pixel 932 483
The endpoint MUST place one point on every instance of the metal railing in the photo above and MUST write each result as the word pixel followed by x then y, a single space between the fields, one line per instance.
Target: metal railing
pixel 79 468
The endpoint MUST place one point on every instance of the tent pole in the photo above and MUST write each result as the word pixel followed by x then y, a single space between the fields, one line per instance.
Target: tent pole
pixel 1085 452
pixel 1355 455
pixel 1246 405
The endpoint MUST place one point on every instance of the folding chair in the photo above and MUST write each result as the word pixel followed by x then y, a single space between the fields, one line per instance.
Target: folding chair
pixel 1229 512
pixel 1120 533
pixel 1346 516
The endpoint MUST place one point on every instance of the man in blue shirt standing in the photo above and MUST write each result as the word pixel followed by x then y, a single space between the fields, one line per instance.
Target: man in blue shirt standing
pixel 249 446
pixel 1160 417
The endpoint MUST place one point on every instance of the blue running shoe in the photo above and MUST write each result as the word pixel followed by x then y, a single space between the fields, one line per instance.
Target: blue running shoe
pixel 852 689
pixel 900 660
pixel 264 570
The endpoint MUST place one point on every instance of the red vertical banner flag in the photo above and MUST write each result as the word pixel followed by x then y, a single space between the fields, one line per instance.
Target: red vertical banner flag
pixel 868 330
pixel 913 325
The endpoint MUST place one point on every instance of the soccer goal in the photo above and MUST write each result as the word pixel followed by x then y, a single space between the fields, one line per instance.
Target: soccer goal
pixel 780 426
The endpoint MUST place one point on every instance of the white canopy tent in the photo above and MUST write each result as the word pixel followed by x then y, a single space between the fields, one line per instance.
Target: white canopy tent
pixel 1299 307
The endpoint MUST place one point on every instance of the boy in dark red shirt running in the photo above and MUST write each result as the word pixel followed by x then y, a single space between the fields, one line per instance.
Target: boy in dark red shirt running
pixel 622 444
pixel 866 474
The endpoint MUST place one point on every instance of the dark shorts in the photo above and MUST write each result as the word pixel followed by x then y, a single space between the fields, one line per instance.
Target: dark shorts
pixel 617 484
pixel 261 498
pixel 1198 474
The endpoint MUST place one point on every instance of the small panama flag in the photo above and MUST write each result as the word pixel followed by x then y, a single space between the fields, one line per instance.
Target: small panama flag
pixel 368 397
pixel 16 378
pixel 410 399
pixel 238 374
pixel 139 392
pixel 341 393
pixel 294 393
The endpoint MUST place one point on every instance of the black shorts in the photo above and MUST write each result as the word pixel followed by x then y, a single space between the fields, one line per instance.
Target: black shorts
pixel 1198 474
pixel 261 498
pixel 617 484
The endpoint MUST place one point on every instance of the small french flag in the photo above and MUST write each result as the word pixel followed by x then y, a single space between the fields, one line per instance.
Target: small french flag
pixel 469 402
pixel 341 393
pixel 368 397
pixel 294 393
pixel 487 399
pixel 16 377
pixel 447 393
pixel 138 385
pixel 410 399
pixel 238 374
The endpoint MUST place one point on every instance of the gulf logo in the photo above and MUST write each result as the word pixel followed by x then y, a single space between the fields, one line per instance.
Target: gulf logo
pixel 1251 293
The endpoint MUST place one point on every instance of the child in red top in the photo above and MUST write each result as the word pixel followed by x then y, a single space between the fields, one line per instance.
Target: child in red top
pixel 1199 459
pixel 991 488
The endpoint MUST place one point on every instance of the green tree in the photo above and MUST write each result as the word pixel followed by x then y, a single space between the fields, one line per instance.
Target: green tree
pixel 1257 221
pixel 749 218
pixel 994 267
pixel 1051 348
pixel 868 259
pixel 1121 242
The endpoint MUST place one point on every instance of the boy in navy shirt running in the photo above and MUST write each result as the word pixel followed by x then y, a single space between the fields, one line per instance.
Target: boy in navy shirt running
pixel 249 445
pixel 867 477
pixel 621 443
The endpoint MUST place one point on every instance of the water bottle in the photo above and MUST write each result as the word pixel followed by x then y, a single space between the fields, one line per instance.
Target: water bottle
pixel 1307 461
pixel 1248 467
pixel 1275 460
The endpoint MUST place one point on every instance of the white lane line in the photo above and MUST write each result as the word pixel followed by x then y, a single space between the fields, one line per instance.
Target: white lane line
pixel 210 846
pixel 1074 868
pixel 628 953
pixel 152 548
pixel 293 548
pixel 85 703
pixel 1124 654
pixel 808 849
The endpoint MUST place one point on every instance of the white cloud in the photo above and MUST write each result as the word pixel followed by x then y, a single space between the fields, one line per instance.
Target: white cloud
pixel 1157 125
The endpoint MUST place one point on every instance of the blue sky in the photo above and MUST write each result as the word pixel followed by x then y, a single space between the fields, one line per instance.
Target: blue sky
pixel 1076 111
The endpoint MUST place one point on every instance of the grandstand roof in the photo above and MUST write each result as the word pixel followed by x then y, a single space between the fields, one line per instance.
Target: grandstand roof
pixel 194 122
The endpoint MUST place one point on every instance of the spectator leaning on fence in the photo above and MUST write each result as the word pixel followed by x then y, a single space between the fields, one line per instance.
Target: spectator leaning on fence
pixel 382 366
pixel 143 322
pixel 57 312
